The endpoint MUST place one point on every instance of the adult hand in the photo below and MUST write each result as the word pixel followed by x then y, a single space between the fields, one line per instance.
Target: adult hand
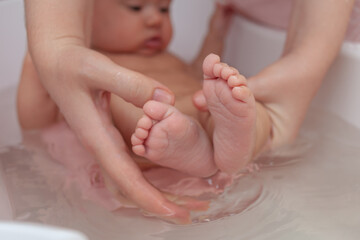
pixel 79 80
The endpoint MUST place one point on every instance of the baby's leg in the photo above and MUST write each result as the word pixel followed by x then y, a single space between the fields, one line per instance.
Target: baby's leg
pixel 34 106
pixel 169 138
pixel 233 115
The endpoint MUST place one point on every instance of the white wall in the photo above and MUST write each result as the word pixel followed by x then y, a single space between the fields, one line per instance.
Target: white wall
pixel 190 21
pixel 12 41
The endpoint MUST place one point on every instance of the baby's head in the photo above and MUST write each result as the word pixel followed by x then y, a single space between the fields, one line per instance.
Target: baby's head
pixel 131 26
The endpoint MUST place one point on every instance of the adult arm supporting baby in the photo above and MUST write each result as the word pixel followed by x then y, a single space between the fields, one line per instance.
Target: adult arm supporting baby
pixel 214 41
pixel 79 80
pixel 286 87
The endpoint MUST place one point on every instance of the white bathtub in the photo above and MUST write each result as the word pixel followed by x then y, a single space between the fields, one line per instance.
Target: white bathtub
pixel 251 47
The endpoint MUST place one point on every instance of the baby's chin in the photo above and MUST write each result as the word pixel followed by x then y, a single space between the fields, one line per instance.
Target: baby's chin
pixel 150 52
pixel 139 51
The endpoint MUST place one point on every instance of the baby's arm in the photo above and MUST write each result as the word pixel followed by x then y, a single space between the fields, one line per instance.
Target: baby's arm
pixel 214 40
pixel 287 86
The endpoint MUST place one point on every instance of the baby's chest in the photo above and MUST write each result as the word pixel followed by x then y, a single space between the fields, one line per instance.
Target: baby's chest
pixel 180 82
pixel 164 68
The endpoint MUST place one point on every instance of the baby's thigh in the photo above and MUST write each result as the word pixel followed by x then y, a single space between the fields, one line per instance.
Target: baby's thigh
pixel 125 117
pixel 34 106
pixel 187 107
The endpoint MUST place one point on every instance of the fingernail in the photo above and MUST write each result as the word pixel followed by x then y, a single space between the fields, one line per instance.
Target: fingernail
pixel 162 96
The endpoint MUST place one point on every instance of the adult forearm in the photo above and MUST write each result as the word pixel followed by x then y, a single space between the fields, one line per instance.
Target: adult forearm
pixel 287 86
pixel 49 21
pixel 212 44
pixel 316 31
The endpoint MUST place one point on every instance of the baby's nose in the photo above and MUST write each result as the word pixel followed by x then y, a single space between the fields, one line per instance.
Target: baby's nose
pixel 153 17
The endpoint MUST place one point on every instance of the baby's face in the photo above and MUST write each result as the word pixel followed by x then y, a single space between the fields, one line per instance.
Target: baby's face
pixel 131 26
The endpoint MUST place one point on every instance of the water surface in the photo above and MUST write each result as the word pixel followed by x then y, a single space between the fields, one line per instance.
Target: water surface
pixel 309 190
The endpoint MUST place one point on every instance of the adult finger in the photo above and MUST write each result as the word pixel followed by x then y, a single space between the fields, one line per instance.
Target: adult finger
pixel 102 73
pixel 90 122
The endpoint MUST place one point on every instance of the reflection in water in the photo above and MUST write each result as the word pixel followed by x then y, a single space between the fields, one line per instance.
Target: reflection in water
pixel 309 190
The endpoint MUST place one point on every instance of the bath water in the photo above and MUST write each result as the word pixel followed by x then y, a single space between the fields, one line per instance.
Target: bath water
pixel 308 190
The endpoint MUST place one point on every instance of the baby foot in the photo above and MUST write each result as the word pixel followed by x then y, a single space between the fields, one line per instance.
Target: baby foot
pixel 232 108
pixel 169 138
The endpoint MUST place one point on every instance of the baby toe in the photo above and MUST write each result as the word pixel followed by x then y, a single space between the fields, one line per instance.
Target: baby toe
pixel 237 81
pixel 141 133
pixel 226 72
pixel 139 150
pixel 145 123
pixel 208 65
pixel 157 111
pixel 135 140
pixel 218 67
pixel 241 93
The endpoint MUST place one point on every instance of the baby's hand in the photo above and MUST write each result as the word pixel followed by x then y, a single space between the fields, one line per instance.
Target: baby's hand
pixel 221 18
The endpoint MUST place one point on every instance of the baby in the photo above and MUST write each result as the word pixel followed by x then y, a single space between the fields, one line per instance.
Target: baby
pixel 135 34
